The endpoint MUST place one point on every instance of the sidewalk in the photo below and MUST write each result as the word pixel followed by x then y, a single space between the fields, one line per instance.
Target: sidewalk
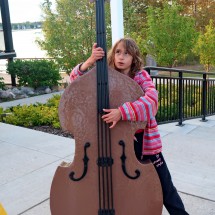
pixel 30 100
pixel 29 159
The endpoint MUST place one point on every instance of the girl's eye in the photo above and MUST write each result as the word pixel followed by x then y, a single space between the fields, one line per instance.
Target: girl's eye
pixel 117 51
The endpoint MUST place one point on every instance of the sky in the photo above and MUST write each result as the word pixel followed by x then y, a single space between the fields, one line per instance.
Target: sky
pixel 25 10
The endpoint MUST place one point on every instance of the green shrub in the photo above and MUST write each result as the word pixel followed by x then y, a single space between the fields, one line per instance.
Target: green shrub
pixel 169 102
pixel 1 110
pixel 35 115
pixel 35 73
pixel 2 84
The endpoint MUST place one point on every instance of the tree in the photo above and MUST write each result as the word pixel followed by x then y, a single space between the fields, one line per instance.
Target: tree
pixel 205 46
pixel 201 10
pixel 69 32
pixel 170 36
pixel 135 19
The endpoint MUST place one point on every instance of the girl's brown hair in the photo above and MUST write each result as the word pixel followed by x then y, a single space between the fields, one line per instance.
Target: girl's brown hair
pixel 132 48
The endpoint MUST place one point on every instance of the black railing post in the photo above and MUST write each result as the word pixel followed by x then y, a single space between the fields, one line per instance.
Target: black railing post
pixel 147 70
pixel 204 97
pixel 6 24
pixel 180 92
pixel 195 103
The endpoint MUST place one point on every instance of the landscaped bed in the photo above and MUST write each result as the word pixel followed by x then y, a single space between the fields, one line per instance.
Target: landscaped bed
pixel 41 117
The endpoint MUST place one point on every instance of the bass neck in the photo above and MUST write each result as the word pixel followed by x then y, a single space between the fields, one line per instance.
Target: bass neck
pixel 101 65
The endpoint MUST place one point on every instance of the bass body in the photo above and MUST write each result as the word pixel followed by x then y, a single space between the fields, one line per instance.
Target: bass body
pixel 120 186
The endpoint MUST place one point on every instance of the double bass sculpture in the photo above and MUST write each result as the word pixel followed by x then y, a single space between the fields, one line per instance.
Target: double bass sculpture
pixel 105 177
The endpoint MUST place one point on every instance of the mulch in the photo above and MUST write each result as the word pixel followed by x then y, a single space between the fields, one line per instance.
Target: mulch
pixel 51 130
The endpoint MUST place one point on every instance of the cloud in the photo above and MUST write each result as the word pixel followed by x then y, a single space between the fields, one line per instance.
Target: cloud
pixel 24 10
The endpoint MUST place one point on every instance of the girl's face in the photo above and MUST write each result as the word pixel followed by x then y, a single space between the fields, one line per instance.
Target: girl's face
pixel 122 59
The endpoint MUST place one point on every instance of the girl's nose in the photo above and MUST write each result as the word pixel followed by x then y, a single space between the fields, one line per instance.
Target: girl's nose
pixel 121 56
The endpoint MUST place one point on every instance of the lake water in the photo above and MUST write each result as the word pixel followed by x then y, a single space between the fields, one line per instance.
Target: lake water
pixel 25 45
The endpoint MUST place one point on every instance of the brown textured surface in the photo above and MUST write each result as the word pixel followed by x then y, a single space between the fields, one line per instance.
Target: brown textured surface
pixel 78 115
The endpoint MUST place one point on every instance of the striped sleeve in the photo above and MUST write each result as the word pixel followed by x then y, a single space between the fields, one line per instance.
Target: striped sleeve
pixel 145 108
pixel 75 73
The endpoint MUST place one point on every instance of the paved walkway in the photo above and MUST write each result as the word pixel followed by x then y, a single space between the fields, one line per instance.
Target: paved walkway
pixel 29 158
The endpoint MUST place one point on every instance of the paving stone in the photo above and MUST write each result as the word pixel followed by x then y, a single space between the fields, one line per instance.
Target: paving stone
pixel 195 205
pixel 28 160
pixel 191 163
pixel 19 161
pixel 25 192
pixel 37 140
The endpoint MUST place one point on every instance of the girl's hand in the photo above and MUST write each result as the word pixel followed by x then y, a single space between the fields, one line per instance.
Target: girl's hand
pixel 112 116
pixel 97 53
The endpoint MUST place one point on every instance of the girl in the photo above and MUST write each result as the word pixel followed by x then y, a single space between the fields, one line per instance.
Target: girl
pixel 125 58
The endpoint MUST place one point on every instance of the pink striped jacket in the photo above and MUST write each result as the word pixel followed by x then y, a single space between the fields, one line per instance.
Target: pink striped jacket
pixel 144 109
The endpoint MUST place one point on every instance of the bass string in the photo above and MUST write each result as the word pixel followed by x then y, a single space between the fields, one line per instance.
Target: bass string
pixel 104 140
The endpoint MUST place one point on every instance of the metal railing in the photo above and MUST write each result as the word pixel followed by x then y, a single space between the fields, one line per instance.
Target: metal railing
pixel 183 94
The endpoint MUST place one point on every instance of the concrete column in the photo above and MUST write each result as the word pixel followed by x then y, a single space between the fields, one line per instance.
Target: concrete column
pixel 117 20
